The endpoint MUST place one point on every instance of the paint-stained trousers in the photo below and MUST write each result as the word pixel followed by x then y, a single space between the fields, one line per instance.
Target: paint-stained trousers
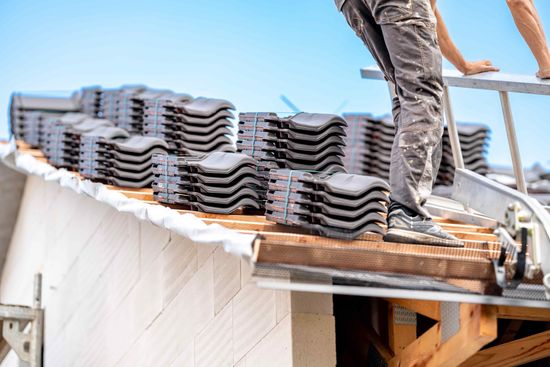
pixel 401 35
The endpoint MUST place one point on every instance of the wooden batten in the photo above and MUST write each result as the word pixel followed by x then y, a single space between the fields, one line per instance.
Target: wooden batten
pixel 514 353
pixel 295 246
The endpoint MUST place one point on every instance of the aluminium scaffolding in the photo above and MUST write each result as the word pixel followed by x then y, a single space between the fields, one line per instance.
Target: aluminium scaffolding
pixel 22 328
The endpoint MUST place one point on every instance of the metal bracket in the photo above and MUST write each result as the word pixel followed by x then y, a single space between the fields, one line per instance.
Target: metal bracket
pixel 519 260
pixel 22 329
pixel 513 209
pixel 18 340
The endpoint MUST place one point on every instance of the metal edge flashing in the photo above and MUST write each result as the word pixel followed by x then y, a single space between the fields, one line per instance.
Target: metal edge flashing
pixel 363 291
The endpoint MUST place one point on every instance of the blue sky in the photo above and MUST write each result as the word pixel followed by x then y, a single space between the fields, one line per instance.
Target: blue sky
pixel 251 52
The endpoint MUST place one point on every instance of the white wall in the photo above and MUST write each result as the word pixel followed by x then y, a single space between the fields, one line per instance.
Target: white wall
pixel 120 292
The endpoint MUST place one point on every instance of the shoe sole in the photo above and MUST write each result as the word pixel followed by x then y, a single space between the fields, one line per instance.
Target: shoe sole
pixel 404 236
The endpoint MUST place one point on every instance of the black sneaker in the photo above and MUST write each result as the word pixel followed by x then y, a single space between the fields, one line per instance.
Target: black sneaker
pixel 405 226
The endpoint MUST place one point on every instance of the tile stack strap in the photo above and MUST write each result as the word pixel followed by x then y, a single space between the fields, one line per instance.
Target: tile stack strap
pixel 108 156
pixel 28 112
pixel 199 126
pixel 218 182
pixel 126 106
pixel 369 144
pixel 305 141
pixel 60 138
pixel 336 205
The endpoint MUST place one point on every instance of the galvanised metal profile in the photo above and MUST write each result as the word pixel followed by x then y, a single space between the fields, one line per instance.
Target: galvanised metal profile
pixel 17 335
pixel 514 210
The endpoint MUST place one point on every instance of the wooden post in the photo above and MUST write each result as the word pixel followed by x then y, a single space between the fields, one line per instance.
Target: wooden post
pixel 477 327
pixel 401 327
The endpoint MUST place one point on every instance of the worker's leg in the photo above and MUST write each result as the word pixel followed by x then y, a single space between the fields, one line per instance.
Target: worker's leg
pixel 528 22
pixel 360 19
pixel 408 28
pixel 416 152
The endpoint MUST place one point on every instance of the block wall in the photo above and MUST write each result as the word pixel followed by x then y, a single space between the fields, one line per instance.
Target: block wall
pixel 121 292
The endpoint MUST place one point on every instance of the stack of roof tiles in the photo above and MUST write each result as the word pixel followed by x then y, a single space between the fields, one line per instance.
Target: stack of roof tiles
pixel 218 182
pixel 125 106
pixel 330 204
pixel 369 144
pixel 90 101
pixel 28 112
pixel 107 156
pixel 60 138
pixel 194 126
pixel 305 141
pixel 29 125
pixel 48 125
pixel 474 141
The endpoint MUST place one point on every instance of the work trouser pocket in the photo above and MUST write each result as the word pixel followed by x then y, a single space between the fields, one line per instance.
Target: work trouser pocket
pixel 390 11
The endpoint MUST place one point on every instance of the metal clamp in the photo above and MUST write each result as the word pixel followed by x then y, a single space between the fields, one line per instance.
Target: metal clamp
pixel 519 259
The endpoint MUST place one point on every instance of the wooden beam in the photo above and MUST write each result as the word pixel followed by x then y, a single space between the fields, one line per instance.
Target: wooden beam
pixel 523 313
pixel 400 332
pixel 385 352
pixel 367 259
pixel 515 353
pixel 478 326
pixel 476 236
pixel 419 352
pixel 431 309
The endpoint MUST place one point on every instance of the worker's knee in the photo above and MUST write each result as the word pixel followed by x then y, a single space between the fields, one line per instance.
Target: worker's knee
pixel 517 4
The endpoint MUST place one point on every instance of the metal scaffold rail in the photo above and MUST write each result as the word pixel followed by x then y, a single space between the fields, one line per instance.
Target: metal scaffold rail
pixel 520 216
pixel 22 328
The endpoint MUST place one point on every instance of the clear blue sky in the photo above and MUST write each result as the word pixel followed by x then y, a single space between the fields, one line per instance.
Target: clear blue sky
pixel 251 52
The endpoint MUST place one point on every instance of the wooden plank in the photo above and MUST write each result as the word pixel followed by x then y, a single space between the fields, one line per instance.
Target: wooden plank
pixel 431 309
pixel 476 236
pixel 136 195
pixel 385 352
pixel 419 352
pixel 523 313
pixel 366 259
pixel 377 245
pixel 400 334
pixel 515 353
pixel 478 326
pixel 466 228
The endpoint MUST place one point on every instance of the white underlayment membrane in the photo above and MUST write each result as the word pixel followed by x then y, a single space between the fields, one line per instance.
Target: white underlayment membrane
pixel 186 225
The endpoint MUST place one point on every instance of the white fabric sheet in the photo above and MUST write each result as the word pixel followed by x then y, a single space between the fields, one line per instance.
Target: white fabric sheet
pixel 186 225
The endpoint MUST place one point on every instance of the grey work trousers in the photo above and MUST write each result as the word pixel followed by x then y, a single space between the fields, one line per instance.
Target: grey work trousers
pixel 401 35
